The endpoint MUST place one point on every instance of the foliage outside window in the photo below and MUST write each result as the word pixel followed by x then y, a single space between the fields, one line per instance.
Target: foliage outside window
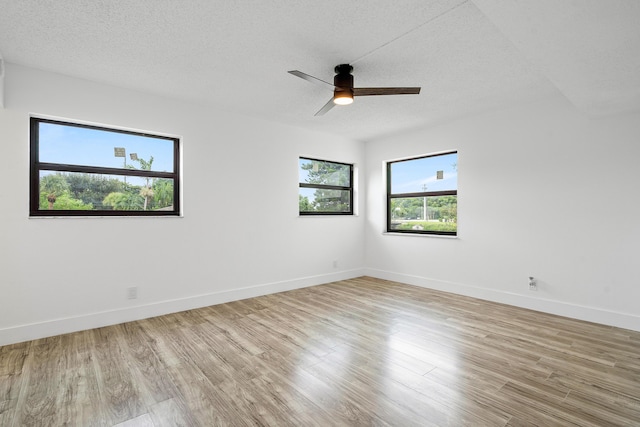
pixel 326 188
pixel 83 170
pixel 422 195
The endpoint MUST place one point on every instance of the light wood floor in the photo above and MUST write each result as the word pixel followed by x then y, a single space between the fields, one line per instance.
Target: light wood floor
pixel 357 352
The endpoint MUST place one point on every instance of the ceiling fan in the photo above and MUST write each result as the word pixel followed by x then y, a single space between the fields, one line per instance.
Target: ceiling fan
pixel 343 90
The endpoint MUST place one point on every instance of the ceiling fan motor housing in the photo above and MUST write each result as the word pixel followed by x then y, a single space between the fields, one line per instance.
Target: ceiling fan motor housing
pixel 343 80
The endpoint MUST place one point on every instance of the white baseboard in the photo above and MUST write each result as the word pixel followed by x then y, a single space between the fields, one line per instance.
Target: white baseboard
pixel 54 327
pixel 589 314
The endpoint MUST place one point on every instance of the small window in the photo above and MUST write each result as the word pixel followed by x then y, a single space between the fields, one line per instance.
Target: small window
pixel 422 195
pixel 326 188
pixel 82 170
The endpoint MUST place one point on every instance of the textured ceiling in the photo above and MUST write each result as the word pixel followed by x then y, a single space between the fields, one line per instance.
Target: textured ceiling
pixel 467 55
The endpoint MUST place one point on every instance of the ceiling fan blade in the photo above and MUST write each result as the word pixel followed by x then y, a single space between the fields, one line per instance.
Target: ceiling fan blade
pixel 328 106
pixel 311 79
pixel 369 91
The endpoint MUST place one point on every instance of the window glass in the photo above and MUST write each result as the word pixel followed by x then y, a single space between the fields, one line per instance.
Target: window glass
pixel 421 174
pixel 322 172
pixel 324 200
pixel 325 188
pixel 89 170
pixel 75 145
pixel 423 195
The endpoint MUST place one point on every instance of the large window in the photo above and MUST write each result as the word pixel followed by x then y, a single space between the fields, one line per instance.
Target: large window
pixel 82 170
pixel 422 195
pixel 326 188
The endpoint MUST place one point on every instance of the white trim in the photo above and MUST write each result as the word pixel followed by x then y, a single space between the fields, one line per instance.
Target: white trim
pixel 440 236
pixel 107 127
pixel 54 327
pixel 114 217
pixel 66 325
pixel 574 311
pixel 420 156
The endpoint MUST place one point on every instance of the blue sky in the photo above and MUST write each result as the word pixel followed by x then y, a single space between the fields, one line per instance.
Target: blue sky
pixel 332 180
pixel 91 147
pixel 411 176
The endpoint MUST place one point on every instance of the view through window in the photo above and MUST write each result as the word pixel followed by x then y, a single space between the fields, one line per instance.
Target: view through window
pixel 78 169
pixel 326 188
pixel 422 195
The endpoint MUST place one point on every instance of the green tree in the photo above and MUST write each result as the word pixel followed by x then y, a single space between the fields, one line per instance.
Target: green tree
pixel 442 208
pixel 327 173
pixel 91 188
pixel 408 208
pixel 162 193
pixel 147 191
pixel 124 201
pixel 304 203
pixel 64 202
pixel 55 194
pixel 53 186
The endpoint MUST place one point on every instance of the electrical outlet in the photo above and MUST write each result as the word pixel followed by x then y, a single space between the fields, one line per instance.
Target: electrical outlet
pixel 132 292
pixel 533 286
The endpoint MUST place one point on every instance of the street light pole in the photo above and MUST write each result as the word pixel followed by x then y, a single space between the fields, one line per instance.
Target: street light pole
pixel 121 152
pixel 424 207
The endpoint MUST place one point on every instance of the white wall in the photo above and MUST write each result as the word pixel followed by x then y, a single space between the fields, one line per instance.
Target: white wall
pixel 544 192
pixel 240 235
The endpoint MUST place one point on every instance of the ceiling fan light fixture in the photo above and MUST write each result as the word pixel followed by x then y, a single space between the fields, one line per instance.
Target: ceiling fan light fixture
pixel 342 97
pixel 343 90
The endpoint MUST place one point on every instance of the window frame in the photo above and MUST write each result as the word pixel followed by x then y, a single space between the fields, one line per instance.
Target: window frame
pixel 425 194
pixel 36 167
pixel 327 187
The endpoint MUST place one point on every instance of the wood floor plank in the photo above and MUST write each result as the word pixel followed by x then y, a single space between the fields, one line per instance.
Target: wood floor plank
pixel 79 383
pixel 369 400
pixel 289 406
pixel 203 399
pixel 116 388
pixel 12 366
pixel 339 409
pixel 147 370
pixel 448 399
pixel 141 421
pixel 358 352
pixel 37 400
pixel 171 413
